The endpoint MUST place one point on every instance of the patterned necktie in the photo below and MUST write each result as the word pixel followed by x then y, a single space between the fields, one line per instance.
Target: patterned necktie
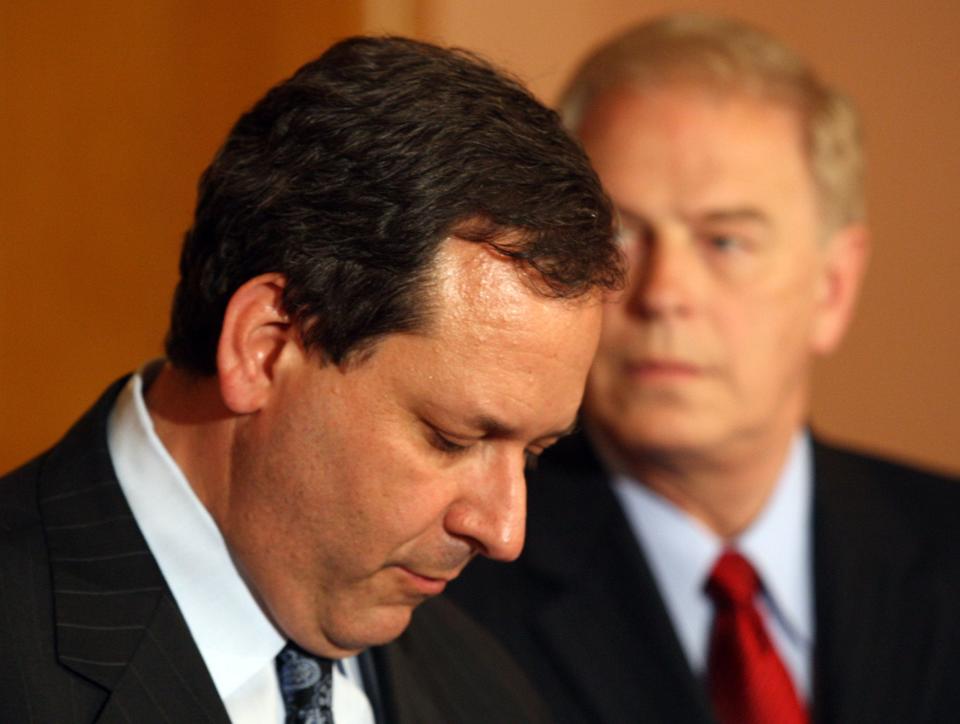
pixel 748 682
pixel 306 682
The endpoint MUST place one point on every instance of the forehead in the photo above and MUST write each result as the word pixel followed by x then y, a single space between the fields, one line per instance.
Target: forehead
pixel 493 348
pixel 695 144
pixel 477 293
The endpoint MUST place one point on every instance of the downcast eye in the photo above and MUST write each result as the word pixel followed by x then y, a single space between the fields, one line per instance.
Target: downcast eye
pixel 445 444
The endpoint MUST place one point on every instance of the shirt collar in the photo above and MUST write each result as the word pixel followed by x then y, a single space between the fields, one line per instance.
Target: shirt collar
pixel 234 636
pixel 779 545
pixel 681 551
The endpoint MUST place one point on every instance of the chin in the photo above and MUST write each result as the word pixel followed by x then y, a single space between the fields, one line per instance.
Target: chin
pixel 660 434
pixel 373 627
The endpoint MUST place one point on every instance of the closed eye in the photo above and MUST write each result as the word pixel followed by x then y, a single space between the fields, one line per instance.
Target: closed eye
pixel 444 444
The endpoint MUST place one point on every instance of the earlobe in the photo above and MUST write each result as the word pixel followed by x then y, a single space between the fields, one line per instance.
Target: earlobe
pixel 845 262
pixel 255 330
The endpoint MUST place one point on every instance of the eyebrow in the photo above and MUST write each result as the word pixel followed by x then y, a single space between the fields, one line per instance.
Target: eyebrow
pixel 492 427
pixel 743 213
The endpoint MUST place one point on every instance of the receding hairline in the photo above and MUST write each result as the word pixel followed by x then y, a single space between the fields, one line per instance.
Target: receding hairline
pixel 443 268
pixel 482 265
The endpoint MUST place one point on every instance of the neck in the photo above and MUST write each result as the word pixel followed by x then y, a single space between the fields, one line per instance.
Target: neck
pixel 725 489
pixel 196 428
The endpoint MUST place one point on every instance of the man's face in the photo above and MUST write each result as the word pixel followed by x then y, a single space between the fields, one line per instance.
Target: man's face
pixel 359 492
pixel 708 350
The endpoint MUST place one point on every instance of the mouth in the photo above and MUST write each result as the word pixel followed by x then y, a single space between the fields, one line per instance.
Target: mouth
pixel 424 584
pixel 663 369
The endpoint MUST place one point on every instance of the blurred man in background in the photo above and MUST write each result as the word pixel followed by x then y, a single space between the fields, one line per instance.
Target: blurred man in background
pixel 696 554
pixel 389 298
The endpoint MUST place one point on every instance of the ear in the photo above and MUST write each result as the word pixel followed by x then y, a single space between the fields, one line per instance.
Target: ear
pixel 255 330
pixel 844 262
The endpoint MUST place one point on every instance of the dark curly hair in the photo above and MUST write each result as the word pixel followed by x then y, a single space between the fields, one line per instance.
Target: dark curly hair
pixel 347 177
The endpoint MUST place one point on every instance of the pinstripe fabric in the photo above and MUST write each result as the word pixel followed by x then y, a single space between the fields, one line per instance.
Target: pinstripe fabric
pixel 105 583
pixel 165 679
pixel 115 624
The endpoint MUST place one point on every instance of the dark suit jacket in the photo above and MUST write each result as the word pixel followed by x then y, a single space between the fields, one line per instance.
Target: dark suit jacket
pixel 582 614
pixel 89 631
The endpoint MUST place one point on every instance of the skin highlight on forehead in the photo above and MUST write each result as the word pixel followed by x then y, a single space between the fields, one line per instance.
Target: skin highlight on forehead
pixel 490 289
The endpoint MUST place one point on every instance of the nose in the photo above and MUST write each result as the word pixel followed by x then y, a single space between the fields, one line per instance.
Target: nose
pixel 491 514
pixel 663 278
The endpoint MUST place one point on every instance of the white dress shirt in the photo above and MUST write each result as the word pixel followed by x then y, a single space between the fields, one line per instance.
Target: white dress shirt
pixel 682 551
pixel 237 641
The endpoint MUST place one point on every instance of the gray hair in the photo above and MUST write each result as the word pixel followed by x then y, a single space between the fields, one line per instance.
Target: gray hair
pixel 734 57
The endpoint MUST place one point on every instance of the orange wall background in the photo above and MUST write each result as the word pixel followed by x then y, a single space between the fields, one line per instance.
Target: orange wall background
pixel 109 111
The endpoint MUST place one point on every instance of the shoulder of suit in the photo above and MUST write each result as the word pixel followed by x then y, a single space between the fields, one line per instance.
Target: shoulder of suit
pixel 22 489
pixel 843 462
pixel 18 501
pixel 867 488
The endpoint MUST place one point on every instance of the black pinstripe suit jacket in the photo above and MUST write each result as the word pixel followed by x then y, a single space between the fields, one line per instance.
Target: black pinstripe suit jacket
pixel 89 631
pixel 582 614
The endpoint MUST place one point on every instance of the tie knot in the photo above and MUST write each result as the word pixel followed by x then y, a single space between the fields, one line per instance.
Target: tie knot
pixel 733 581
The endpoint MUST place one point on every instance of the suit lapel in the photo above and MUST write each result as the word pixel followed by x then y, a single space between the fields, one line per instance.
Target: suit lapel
pixel 165 679
pixel 623 655
pixel 116 623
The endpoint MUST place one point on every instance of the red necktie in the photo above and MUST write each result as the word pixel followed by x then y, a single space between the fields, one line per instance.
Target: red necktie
pixel 748 682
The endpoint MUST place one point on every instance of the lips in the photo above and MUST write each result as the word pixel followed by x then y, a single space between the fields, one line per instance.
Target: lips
pixel 663 368
pixel 426 584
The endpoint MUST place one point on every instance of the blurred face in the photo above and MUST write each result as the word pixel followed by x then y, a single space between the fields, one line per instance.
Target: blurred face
pixel 708 351
pixel 361 491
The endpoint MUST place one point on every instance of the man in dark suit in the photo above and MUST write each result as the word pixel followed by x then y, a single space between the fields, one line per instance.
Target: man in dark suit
pixel 388 298
pixel 695 555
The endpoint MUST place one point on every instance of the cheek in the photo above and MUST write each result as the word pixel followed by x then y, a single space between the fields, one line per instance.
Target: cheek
pixel 390 489
pixel 766 336
pixel 793 324
pixel 365 482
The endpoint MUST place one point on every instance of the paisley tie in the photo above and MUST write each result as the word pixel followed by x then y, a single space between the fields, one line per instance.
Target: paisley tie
pixel 306 683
